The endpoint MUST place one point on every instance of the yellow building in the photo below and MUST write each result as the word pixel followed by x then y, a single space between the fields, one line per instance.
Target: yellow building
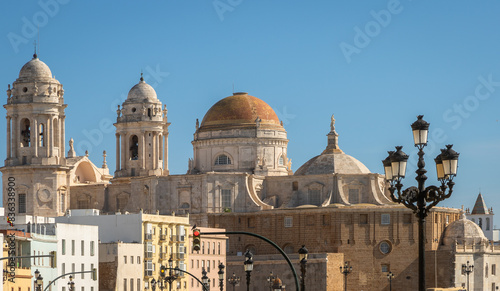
pixel 21 281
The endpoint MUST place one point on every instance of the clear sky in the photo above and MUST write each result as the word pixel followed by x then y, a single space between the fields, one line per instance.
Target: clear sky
pixel 376 65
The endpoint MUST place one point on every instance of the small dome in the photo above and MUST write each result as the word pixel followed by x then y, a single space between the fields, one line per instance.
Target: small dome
pixel 240 110
pixel 142 91
pixel 330 163
pixel 35 69
pixel 463 231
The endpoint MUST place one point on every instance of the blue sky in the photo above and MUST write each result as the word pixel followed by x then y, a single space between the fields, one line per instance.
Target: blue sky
pixel 375 64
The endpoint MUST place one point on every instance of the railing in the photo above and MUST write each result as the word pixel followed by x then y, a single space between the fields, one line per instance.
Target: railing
pixel 148 273
pixel 148 236
pixel 163 237
pixel 149 255
pixel 163 256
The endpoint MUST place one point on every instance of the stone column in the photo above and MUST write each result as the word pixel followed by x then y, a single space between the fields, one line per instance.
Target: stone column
pixel 142 147
pixel 34 132
pixel 160 147
pixel 48 136
pixel 124 150
pixel 117 152
pixel 15 122
pixel 165 152
pixel 154 154
pixel 9 142
pixel 62 143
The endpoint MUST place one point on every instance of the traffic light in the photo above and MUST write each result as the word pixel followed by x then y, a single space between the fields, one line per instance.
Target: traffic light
pixel 196 239
pixel 162 271
pixel 94 274
pixel 53 259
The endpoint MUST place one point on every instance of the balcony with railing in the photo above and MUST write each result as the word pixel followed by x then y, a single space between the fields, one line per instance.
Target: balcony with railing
pixel 148 255
pixel 148 273
pixel 164 256
pixel 163 237
pixel 148 236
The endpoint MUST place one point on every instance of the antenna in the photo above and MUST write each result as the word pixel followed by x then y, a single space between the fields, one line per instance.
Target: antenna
pixel 38 29
pixel 34 55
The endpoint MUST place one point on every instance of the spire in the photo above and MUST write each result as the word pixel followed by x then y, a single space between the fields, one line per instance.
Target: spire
pixel 480 206
pixel 142 78
pixel 333 139
pixel 35 56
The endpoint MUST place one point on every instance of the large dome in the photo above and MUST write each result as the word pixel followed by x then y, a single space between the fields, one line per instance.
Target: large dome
pixel 35 69
pixel 142 92
pixel 240 110
pixel 463 231
pixel 329 163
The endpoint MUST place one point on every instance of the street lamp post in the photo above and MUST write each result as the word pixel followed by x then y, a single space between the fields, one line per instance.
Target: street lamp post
pixel 204 279
pixel 303 253
pixel 467 269
pixel 71 284
pixel 233 280
pixel 420 199
pixel 346 270
pixel 221 276
pixel 270 280
pixel 248 266
pixel 38 281
pixel 153 284
pixel 390 276
pixel 171 277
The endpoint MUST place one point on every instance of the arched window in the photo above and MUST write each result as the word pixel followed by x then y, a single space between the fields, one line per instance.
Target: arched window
pixel 223 160
pixel 41 135
pixel 281 161
pixel 480 222
pixel 487 223
pixel 25 132
pixel 225 198
pixel 134 147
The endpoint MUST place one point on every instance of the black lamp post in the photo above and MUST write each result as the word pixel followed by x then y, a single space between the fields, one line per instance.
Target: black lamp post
pixel 270 280
pixel 71 284
pixel 420 199
pixel 248 266
pixel 153 284
pixel 467 269
pixel 171 276
pixel 346 270
pixel 204 279
pixel 38 280
pixel 160 284
pixel 278 285
pixel 221 276
pixel 233 280
pixel 303 253
pixel 390 276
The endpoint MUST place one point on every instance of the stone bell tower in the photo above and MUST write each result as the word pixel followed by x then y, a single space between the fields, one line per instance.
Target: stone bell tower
pixel 35 161
pixel 141 134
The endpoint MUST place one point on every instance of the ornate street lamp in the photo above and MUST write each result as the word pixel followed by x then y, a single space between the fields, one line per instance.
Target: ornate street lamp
pixel 303 253
pixel 204 279
pixel 346 270
pixel 420 199
pixel 466 270
pixel 221 276
pixel 278 285
pixel 233 280
pixel 248 266
pixel 71 284
pixel 390 276
pixel 38 280
pixel 171 276
pixel 270 280
pixel 153 284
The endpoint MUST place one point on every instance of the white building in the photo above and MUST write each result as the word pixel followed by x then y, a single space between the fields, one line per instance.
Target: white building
pixel 126 261
pixel 483 217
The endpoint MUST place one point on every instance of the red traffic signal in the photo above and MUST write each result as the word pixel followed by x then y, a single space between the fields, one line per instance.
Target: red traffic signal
pixel 196 239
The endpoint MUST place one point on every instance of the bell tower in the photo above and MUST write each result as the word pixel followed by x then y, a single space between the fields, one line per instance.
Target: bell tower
pixel 35 139
pixel 141 134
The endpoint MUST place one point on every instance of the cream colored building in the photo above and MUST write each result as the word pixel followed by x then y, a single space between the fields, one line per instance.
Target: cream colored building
pixel 160 236
pixel 121 266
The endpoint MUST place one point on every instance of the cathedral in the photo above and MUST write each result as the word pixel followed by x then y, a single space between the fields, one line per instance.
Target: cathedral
pixel 239 178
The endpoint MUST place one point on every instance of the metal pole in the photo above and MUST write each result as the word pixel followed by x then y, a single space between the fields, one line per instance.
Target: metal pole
pixel 303 271
pixel 422 213
pixel 248 280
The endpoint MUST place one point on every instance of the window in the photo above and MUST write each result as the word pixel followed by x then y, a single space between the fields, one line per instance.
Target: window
pixel 218 248
pixel 353 196
pixel 226 198
pixel 295 186
pixel 63 266
pixel 385 268
pixel 83 269
pixel 213 249
pixel 407 218
pixel 124 259
pixel 124 284
pixel 281 161
pixel 138 284
pixel 487 223
pixel 22 203
pixel 486 271
pixel 63 203
pixel 83 247
pixel 385 219
pixel 63 246
pixel 363 219
pixel 131 284
pixel 288 221
pixel 480 222
pixel 447 219
pixel 493 269
pixel 315 197
pixel 222 160
pixel 203 248
pixel 72 247
pixel 92 248
pixel 385 247
pixel 134 147
pixel 138 259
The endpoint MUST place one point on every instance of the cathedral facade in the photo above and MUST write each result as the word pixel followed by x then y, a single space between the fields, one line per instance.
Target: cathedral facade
pixel 239 178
